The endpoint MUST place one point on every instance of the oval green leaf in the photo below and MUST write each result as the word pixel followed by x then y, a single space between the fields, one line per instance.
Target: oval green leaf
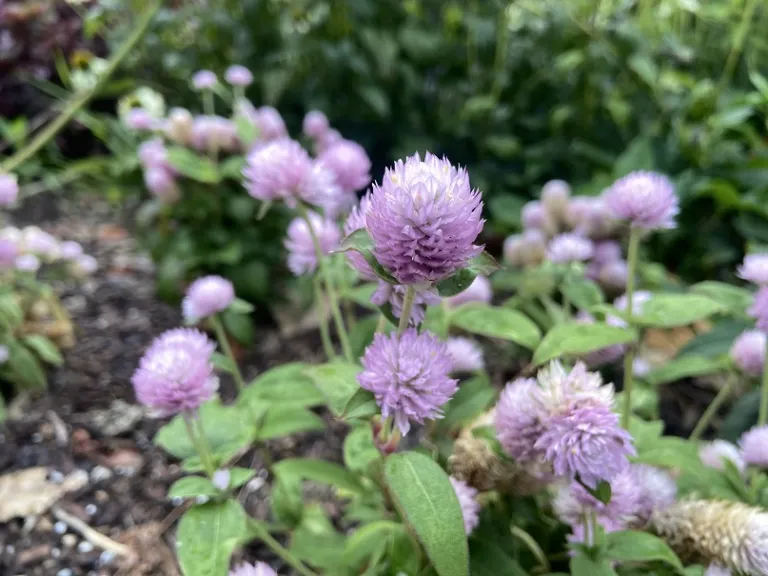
pixel 577 339
pixel 337 381
pixel 635 546
pixel 685 367
pixel 319 471
pixel 497 322
pixel 669 310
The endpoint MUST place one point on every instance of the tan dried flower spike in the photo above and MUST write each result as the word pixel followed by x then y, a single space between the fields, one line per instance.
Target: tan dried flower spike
pixel 731 534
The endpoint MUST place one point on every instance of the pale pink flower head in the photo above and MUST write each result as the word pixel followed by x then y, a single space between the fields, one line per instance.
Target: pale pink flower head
pixel 204 80
pixel 315 124
pixel 717 570
pixel 161 184
pixel 9 189
pixel 479 291
pixel 570 247
pixel 85 265
pixel 258 569
pixel 139 119
pixel 754 446
pixel 70 250
pixel 748 352
pixel 613 275
pixel 207 296
pixel 519 419
pixel 408 376
pixel 237 75
pixel 154 154
pixel 277 170
pixel 754 269
pixel 214 133
pixel 8 253
pixel 356 221
pixel 424 220
pixel 327 139
pixel 714 454
pixel 645 199
pixel 470 507
pixel 572 501
pixel 27 263
pixel 466 354
pixel 759 309
pixel 534 216
pixel 349 163
pixel 395 295
pixel 178 126
pixel 302 258
pixel 656 490
pixel 270 123
pixel 606 252
pixel 175 374
pixel 554 197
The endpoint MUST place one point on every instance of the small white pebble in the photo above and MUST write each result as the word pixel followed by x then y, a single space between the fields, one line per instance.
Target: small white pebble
pixel 69 540
pixel 84 547
pixel 10 550
pixel 56 477
pixel 64 572
pixel 37 438
pixel 177 500
pixel 91 509
pixel 55 552
pixel 100 473
pixel 202 499
pixel 106 557
pixel 60 527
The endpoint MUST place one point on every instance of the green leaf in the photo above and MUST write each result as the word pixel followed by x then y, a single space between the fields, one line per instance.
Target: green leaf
pixel 426 499
pixel 669 310
pixel 194 166
pixel 232 167
pixel 286 386
pixel 582 292
pixel 361 405
pixel 601 493
pixel 25 367
pixel 238 325
pixel 685 367
pixel 637 156
pixel 316 542
pixel 359 450
pixel 240 306
pixel 361 295
pixel 192 487
pixel 222 363
pixel 733 298
pixel 471 399
pixel 635 546
pixel 717 341
pixel 583 565
pixel 207 536
pixel 284 421
pixel 361 242
pixel 11 314
pixel 44 348
pixel 496 322
pixel 320 471
pixel 366 541
pixel 457 283
pixel 577 339
pixel 488 559
pixel 337 381
pixel 742 417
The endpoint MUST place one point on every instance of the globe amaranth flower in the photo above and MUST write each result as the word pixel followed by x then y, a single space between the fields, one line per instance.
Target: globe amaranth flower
pixel 139 119
pixel 606 252
pixel 717 570
pixel 754 269
pixel 207 296
pixel 178 126
pixel 470 507
pixel 214 133
pixel 270 124
pixel 570 248
pixel 607 355
pixel 714 454
pixel 535 217
pixel 613 275
pixel 321 188
pixel 754 446
pixel 356 221
pixel 479 291
pixel 175 374
pixel 730 534
pixel 9 189
pixel 748 352
pixel 258 569
pixel 237 75
pixel 554 197
pixel 759 309
pixel 204 80
pixel 656 490
pixel 8 253
pixel 408 376
pixel 526 249
pixel 466 354
pixel 85 264
pixel 41 243
pixel 395 295
pixel 69 250
pixel 27 263
pixel 519 419
pixel 276 170
pixel 302 258
pixel 162 184
pixel 590 217
pixel 349 163
pixel 315 124
pixel 424 220
pixel 645 199
pixel 327 139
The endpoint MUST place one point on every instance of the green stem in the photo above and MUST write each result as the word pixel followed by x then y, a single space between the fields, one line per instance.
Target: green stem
pixel 763 417
pixel 382 323
pixel 629 357
pixel 80 100
pixel 199 442
pixel 500 61
pixel 221 336
pixel 405 315
pixel 713 407
pixel 332 298
pixel 286 555
pixel 208 107
pixel 533 546
pixel 325 333
pixel 738 43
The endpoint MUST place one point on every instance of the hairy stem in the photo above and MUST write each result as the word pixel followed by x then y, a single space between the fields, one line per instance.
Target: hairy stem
pixel 405 315
pixel 533 546
pixel 325 333
pixel 713 407
pixel 221 336
pixel 197 437
pixel 629 357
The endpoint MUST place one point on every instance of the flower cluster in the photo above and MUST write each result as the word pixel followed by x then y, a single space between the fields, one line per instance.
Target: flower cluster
pixel 302 255
pixel 26 249
pixel 159 176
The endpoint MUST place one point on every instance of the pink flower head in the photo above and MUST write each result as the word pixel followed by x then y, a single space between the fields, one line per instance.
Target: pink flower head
pixel 554 197
pixel 258 569
pixel 204 80
pixel 754 446
pixel 606 252
pixel 277 170
pixel 207 296
pixel 572 501
pixel 327 139
pixel 519 419
pixel 70 250
pixel 534 216
pixel 655 487
pixel 470 507
pixel 479 291
pixel 526 249
pixel 466 354
pixel 301 250
pixel 759 309
pixel 713 454
pixel 408 376
pixel 41 243
pixel 356 221
pixel 349 163
pixel 395 295
pixel 139 119
pixel 645 199
pixel 315 124
pixel 613 275
pixel 161 184
pixel 321 188
pixel 424 220
pixel 85 265
pixel 175 374
pixel 755 269
pixel 570 248
pixel 9 189
pixel 214 133
pixel 153 154
pixel 270 123
pixel 8 253
pixel 237 75
pixel 748 352
pixel 590 217
pixel 27 263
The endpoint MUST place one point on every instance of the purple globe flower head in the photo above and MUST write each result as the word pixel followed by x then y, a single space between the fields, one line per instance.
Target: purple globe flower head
pixel 479 291
pixel 207 296
pixel 154 154
pixel 301 250
pixel 466 354
pixel 470 507
pixel 639 299
pixel 408 376
pixel 645 199
pixel 356 221
pixel 572 500
pixel 349 163
pixel 754 269
pixel 178 126
pixel 320 188
pixel 519 419
pixel 395 295
pixel 276 170
pixel 570 248
pixel 759 309
pixel 535 217
pixel 4 354
pixel 258 569
pixel 327 139
pixel 315 124
pixel 237 75
pixel 27 263
pixel 606 252
pixel 603 356
pixel 70 250
pixel 589 216
pixel 613 275
pixel 8 253
pixel 38 242
pixel 514 250
pixel 175 374
pixel 162 185
pixel 656 490
pixel 271 125
pixel 85 265
pixel 139 119
pixel 717 570
pixel 748 352
pixel 204 80
pixel 554 198
pixel 754 446
pixel 424 220
pixel 713 454
pixel 214 133
pixel 561 390
pixel 9 189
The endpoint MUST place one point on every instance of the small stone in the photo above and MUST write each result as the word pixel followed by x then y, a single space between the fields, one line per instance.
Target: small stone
pixel 60 527
pixel 91 509
pixel 44 525
pixel 64 572
pixel 55 553
pixel 36 438
pixel 177 500
pixel 100 474
pixel 56 477
pixel 85 547
pixel 69 540
pixel 101 496
pixel 106 557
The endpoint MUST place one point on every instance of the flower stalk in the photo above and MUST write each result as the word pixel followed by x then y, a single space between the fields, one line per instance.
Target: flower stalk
pixel 629 357
pixel 325 333
pixel 221 336
pixel 713 407
pixel 405 315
